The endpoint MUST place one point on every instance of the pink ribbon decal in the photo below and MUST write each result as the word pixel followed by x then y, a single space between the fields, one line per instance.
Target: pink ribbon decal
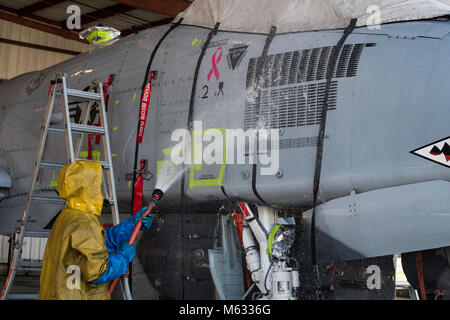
pixel 214 64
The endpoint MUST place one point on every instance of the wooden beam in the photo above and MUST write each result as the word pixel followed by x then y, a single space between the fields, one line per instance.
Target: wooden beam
pixel 170 8
pixel 32 16
pixel 40 5
pixel 127 32
pixel 8 9
pixel 42 27
pixel 38 46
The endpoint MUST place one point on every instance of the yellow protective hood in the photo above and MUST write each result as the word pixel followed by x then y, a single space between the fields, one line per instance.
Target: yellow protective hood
pixel 79 183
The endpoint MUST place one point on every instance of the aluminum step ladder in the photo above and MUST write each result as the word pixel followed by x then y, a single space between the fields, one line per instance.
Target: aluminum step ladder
pixel 60 91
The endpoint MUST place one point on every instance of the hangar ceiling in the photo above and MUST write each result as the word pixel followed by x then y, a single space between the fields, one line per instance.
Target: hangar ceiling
pixel 127 16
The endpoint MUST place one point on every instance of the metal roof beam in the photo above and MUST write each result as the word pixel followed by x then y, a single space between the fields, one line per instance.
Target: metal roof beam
pixel 31 16
pixel 170 8
pixel 40 5
pixel 103 13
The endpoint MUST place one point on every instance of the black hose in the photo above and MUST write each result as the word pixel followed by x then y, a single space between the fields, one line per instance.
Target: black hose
pixel 147 74
pixel 136 150
pixel 265 278
pixel 319 156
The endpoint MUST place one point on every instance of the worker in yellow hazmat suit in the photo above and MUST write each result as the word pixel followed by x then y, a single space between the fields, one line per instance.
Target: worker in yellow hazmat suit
pixel 81 257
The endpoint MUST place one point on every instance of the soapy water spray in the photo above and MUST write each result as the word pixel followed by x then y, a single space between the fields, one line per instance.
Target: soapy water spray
pixel 169 174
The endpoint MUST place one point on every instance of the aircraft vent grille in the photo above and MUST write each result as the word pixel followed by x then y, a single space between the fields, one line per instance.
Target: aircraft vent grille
pixel 292 86
pixel 293 106
pixel 354 60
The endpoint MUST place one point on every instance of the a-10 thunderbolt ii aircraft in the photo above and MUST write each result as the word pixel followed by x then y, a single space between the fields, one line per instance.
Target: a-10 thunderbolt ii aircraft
pixel 361 115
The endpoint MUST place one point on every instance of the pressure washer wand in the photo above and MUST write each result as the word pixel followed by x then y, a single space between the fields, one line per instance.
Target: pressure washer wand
pixel 156 196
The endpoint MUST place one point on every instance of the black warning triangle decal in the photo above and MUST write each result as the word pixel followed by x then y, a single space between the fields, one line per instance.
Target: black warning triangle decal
pixel 235 56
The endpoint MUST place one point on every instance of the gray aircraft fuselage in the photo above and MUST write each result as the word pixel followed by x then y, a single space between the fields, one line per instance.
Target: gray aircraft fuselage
pixel 389 95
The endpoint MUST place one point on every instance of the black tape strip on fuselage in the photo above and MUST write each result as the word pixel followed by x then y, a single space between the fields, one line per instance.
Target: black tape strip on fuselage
pixel 194 88
pixel 147 74
pixel 259 75
pixel 319 156
pixel 197 70
pixel 136 149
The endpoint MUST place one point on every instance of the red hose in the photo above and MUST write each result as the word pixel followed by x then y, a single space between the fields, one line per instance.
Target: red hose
pixel 131 241
pixel 139 224
pixel 419 267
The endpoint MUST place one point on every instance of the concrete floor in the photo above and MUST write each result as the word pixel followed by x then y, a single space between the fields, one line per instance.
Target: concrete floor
pixel 30 284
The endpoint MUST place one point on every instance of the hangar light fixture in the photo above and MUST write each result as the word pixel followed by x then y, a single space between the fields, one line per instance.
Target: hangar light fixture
pixel 100 36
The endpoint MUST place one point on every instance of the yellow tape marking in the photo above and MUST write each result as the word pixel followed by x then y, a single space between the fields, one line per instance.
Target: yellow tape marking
pixel 198 167
pixel 197 43
pixel 53 183
pixel 94 154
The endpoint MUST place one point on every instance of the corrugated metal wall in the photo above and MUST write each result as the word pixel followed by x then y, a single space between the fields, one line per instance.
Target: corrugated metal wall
pixel 33 248
pixel 4 249
pixel 15 60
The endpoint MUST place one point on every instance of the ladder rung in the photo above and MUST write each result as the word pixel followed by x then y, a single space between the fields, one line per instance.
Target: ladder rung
pixel 51 165
pixel 56 129
pixel 23 268
pixel 83 94
pixel 23 296
pixel 104 164
pixel 60 130
pixel 36 234
pixel 29 264
pixel 48 200
pixel 87 129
